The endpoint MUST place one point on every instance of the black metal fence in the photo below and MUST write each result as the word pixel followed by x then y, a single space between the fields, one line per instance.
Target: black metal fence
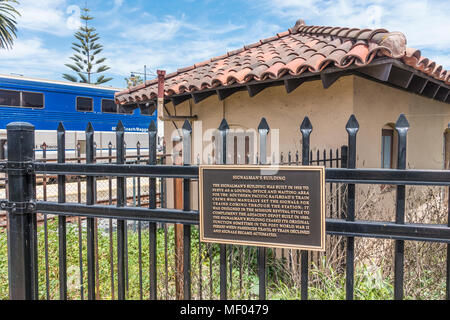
pixel 22 206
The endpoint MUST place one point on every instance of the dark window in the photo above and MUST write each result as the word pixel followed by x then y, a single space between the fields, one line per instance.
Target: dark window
pixel 386 148
pixel 147 109
pixel 9 98
pixel 32 100
pixel 126 110
pixel 109 106
pixel 84 104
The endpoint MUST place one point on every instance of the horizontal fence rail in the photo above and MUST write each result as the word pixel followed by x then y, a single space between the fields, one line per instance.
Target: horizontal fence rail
pixel 332 175
pixel 382 229
pixel 114 212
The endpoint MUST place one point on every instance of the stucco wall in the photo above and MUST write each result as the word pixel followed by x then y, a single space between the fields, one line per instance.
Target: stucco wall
pixel 374 105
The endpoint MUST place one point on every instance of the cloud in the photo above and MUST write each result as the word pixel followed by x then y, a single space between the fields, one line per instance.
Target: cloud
pixel 30 57
pixel 165 29
pixel 47 16
pixel 171 43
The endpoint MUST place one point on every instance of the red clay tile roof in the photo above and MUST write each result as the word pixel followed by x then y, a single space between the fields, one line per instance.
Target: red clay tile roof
pixel 299 49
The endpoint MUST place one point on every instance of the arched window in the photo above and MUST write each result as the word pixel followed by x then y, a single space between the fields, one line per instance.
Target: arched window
pixel 447 149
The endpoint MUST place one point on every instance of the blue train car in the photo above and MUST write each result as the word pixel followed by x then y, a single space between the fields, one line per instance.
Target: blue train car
pixel 45 103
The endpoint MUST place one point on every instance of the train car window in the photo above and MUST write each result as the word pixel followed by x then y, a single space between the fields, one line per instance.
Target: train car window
pixel 109 106
pixel 147 109
pixel 84 104
pixel 126 110
pixel 9 98
pixel 32 100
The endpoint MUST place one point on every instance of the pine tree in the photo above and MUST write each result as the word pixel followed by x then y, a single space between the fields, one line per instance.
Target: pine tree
pixel 86 51
pixel 7 23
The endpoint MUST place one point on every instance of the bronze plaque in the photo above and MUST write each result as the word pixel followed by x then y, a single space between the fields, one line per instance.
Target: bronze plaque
pixel 263 206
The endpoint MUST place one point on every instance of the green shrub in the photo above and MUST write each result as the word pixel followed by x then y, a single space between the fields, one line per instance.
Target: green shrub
pixel 325 283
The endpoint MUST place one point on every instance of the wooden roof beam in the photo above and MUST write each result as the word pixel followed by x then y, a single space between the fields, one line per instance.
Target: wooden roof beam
pixel 293 83
pixel 226 92
pixel 380 71
pixel 430 90
pixel 328 78
pixel 442 94
pixel 417 84
pixel 200 96
pixel 179 99
pixel 254 89
pixel 400 77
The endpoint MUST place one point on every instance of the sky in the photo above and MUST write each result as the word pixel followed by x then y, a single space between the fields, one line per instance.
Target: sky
pixel 171 34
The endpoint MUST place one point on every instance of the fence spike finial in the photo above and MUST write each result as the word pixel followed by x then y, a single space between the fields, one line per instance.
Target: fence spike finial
pixel 61 127
pixel 402 123
pixel 352 124
pixel 152 126
pixel 263 125
pixel 224 125
pixel 187 126
pixel 89 127
pixel 306 125
pixel 120 127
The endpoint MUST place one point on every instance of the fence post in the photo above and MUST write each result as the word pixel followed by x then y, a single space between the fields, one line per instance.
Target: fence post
pixel 352 128
pixel 90 223
pixel 61 137
pixel 402 127
pixel 22 237
pixel 223 130
pixel 187 131
pixel 263 130
pixel 305 129
pixel 121 230
pixel 152 131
